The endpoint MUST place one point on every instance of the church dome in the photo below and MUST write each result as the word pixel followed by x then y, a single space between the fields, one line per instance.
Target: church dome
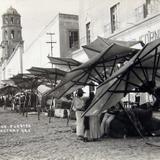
pixel 12 11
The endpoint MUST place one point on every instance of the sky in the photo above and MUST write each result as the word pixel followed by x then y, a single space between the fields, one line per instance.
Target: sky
pixel 36 14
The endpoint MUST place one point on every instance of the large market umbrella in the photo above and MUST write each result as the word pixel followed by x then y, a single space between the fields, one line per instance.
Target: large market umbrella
pixel 26 81
pixel 95 70
pixel 8 90
pixel 8 82
pixel 141 71
pixel 98 45
pixel 65 64
pixel 50 74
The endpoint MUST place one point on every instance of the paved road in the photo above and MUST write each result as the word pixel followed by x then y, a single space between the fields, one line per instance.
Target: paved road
pixel 55 141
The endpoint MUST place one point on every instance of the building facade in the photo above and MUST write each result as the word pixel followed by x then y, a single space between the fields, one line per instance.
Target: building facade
pixel 12 43
pixel 59 39
pixel 118 19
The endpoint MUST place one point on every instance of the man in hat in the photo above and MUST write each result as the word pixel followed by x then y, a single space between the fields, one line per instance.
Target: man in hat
pixel 78 106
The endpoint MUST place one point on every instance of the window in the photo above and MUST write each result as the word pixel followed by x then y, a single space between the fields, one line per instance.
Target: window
pixel 12 34
pixel 5 35
pixel 88 33
pixel 114 17
pixel 152 6
pixel 140 13
pixel 6 20
pixel 73 39
pixel 12 20
pixel 19 34
pixel 18 21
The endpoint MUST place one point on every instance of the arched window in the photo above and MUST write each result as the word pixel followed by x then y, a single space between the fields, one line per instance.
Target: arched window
pixel 18 21
pixel 5 35
pixel 12 20
pixel 19 34
pixel 6 20
pixel 12 34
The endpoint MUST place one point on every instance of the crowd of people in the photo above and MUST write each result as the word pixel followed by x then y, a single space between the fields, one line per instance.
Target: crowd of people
pixel 88 128
pixel 20 102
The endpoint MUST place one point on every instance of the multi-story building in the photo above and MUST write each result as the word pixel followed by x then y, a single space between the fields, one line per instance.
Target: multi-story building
pixel 118 19
pixel 59 39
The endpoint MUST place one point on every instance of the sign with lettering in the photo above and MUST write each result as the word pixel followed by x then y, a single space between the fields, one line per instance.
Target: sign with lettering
pixel 150 36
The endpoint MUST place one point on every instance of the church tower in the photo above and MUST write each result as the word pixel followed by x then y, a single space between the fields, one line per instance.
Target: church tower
pixel 11 32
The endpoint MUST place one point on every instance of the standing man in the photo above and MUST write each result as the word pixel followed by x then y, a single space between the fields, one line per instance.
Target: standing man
pixel 78 106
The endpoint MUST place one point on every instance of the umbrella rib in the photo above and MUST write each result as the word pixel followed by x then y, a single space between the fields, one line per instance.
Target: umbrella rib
pixel 133 84
pixel 55 80
pixel 112 92
pixel 141 51
pixel 96 101
pixel 79 77
pixel 157 75
pixel 113 59
pixel 103 40
pixel 154 63
pixel 101 97
pixel 71 85
pixel 69 65
pixel 94 79
pixel 114 63
pixel 144 73
pixel 157 63
pixel 126 86
pixel 66 91
pixel 98 74
pixel 62 61
pixel 84 83
pixel 137 75
pixel 104 69
pixel 134 124
pixel 87 77
pixel 122 91
pixel 94 50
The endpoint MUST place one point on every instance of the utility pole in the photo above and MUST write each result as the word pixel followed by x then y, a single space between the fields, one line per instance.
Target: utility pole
pixel 51 42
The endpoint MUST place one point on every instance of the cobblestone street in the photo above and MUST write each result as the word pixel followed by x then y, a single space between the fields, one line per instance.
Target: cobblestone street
pixel 55 141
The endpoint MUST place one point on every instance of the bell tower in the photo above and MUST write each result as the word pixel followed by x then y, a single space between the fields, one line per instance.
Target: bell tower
pixel 11 32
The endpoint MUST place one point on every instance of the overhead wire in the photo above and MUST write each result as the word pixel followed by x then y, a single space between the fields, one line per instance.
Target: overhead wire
pixel 41 33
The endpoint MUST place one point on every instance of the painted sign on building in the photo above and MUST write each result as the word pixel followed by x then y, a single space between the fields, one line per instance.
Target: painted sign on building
pixel 150 36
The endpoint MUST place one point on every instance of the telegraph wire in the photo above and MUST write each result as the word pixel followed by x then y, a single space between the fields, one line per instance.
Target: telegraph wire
pixel 41 33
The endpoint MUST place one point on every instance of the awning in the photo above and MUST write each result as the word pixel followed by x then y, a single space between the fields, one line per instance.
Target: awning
pixel 96 69
pixel 65 64
pixel 98 45
pixel 8 89
pixel 26 81
pixel 52 74
pixel 142 72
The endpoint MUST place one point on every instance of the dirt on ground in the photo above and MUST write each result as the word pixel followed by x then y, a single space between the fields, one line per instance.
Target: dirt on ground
pixel 28 138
